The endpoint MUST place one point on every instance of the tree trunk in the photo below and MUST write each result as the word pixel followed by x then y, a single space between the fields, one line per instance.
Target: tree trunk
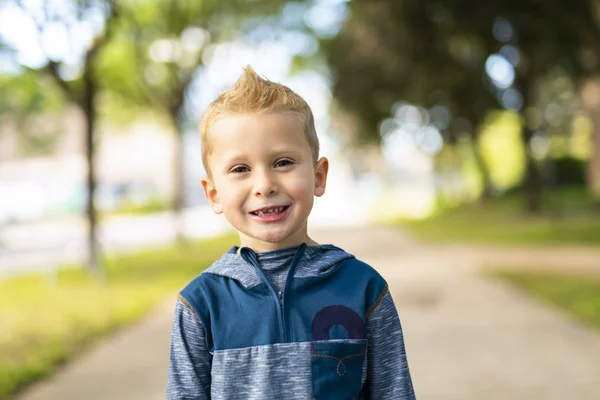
pixel 484 170
pixel 593 168
pixel 89 110
pixel 178 181
pixel 590 96
pixel 533 175
pixel 476 121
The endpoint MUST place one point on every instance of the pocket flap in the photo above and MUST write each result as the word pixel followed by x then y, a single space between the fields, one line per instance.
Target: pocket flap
pixel 337 368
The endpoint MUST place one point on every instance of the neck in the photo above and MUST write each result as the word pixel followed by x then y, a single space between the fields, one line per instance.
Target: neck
pixel 260 246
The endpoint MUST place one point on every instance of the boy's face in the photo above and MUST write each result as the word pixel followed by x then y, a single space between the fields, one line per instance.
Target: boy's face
pixel 263 178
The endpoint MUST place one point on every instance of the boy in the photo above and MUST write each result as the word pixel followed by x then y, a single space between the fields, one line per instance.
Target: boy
pixel 280 317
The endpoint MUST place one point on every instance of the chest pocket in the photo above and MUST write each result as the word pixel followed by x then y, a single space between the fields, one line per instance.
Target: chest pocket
pixel 336 367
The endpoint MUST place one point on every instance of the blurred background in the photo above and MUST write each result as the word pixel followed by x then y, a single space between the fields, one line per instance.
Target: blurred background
pixel 465 127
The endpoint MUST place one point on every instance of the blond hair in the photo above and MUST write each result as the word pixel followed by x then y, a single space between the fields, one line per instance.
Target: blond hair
pixel 253 94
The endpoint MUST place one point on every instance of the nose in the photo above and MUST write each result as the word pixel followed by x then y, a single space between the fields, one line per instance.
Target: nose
pixel 265 184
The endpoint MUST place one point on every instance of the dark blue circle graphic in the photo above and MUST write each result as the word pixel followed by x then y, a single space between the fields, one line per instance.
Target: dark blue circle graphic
pixel 337 315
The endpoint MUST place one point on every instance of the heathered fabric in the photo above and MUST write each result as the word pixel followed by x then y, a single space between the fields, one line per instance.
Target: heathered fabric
pixel 388 374
pixel 282 370
pixel 276 264
pixel 249 373
pixel 190 361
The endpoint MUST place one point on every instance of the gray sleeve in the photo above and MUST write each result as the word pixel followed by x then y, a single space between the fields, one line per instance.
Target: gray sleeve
pixel 388 376
pixel 190 361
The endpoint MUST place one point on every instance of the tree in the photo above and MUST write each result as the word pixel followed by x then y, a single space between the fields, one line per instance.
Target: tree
pixel 383 61
pixel 408 49
pixel 76 75
pixel 154 60
pixel 591 103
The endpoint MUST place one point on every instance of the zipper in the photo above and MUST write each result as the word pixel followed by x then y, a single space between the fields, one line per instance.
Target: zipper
pixel 288 284
pixel 250 256
pixel 280 295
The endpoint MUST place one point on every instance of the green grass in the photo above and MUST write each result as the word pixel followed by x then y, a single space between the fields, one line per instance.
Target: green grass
pixel 47 320
pixel 578 296
pixel 570 216
pixel 128 208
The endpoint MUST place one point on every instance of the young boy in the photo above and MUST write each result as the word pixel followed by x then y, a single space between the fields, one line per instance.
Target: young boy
pixel 281 316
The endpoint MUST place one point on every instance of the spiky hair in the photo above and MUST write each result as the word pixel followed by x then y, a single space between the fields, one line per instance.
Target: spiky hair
pixel 252 94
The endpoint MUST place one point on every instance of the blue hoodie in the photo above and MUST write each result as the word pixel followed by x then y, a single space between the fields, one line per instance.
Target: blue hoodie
pixel 333 333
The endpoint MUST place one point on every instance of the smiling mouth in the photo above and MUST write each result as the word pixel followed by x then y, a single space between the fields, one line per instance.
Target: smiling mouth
pixel 265 212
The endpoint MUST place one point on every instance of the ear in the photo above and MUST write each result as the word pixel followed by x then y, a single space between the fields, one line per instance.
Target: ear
pixel 210 191
pixel 321 170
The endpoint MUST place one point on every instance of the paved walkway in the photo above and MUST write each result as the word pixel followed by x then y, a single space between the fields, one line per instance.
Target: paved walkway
pixel 131 365
pixel 467 337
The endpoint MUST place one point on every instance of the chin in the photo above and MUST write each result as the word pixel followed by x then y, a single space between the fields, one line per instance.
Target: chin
pixel 272 238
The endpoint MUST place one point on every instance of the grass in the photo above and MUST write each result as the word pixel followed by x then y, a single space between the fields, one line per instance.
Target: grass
pixel 578 296
pixel 129 208
pixel 47 320
pixel 570 216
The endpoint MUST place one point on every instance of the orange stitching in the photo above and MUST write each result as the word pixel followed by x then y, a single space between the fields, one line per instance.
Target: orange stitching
pixel 340 361
pixel 185 303
pixel 374 306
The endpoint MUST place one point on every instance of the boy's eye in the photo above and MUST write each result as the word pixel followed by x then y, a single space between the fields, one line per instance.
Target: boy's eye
pixel 283 163
pixel 239 169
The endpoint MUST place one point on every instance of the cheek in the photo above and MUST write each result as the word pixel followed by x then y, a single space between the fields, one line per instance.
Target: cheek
pixel 230 197
pixel 302 189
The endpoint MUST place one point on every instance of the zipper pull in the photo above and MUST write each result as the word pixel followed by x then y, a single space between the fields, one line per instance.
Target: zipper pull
pixel 280 295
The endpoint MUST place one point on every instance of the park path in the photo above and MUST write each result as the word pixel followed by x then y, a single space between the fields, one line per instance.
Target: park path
pixel 467 337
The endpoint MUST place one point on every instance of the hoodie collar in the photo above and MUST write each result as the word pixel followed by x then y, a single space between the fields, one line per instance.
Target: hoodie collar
pixel 313 261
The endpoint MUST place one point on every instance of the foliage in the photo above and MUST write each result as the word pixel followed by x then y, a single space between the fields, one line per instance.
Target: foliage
pixel 569 171
pixel 34 104
pixel 468 57
pixel 153 60
pixel 432 52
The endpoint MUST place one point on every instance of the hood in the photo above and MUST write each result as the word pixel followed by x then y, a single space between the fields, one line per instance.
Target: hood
pixel 309 261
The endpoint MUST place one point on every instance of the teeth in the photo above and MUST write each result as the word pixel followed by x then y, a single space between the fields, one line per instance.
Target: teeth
pixel 270 211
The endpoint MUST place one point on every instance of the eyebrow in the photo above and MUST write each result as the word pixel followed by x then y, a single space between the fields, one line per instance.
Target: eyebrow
pixel 288 152
pixel 235 158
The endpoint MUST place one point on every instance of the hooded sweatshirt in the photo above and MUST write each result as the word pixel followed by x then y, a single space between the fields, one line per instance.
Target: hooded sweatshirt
pixel 330 330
